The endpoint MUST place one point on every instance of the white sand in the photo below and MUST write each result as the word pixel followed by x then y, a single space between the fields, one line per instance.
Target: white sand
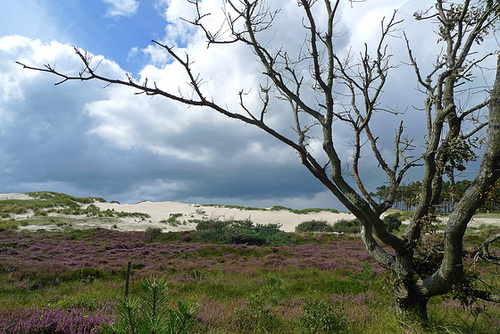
pixel 14 196
pixel 159 212
pixel 162 210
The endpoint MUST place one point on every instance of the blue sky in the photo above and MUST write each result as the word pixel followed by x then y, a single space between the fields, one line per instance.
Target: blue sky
pixel 109 29
pixel 86 140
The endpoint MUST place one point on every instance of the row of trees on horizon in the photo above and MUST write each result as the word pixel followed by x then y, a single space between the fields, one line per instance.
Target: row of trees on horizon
pixel 408 196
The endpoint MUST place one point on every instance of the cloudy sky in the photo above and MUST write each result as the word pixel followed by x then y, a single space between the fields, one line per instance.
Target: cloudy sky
pixel 89 140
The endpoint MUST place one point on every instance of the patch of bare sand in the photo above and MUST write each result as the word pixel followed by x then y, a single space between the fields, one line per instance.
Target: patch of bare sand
pixel 161 211
pixel 15 196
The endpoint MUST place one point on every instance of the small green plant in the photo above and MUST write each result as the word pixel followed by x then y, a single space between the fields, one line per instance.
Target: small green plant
pixel 172 219
pixel 302 211
pixel 347 226
pixel 85 275
pixel 320 316
pixel 314 226
pixel 8 225
pixel 149 312
pixel 392 222
pixel 365 274
pixel 152 233
pixel 257 316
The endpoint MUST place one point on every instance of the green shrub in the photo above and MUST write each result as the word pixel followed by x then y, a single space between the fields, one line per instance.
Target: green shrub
pixel 149 313
pixel 392 222
pixel 152 233
pixel 8 207
pixel 314 226
pixel 92 210
pixel 42 281
pixel 8 225
pixel 347 226
pixel 86 275
pixel 84 303
pixel 172 219
pixel 320 316
pixel 257 316
pixel 239 232
pixel 302 211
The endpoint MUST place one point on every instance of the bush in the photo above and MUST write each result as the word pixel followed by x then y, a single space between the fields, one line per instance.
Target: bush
pixel 347 226
pixel 86 274
pixel 152 233
pixel 256 318
pixel 8 225
pixel 150 312
pixel 314 226
pixel 239 232
pixel 392 222
pixel 320 316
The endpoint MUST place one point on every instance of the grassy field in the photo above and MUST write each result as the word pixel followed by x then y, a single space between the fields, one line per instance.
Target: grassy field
pixel 78 277
pixel 72 281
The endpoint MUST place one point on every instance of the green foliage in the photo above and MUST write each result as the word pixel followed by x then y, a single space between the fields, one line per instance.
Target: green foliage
pixel 43 281
pixel 274 289
pixel 346 226
pixel 302 211
pixel 172 236
pixel 8 225
pixel 64 198
pixel 314 226
pixel 45 202
pixel 320 316
pixel 84 303
pixel 149 313
pixel 152 233
pixel 238 291
pixel 86 275
pixel 392 222
pixel 364 275
pixel 257 316
pixel 172 219
pixel 407 196
pixel 239 232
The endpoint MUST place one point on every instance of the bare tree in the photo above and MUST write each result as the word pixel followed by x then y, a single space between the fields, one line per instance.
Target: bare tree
pixel 331 78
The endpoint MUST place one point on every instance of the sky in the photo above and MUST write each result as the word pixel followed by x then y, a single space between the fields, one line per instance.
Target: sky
pixel 86 139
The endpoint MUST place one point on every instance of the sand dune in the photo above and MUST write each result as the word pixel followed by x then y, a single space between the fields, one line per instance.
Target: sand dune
pixel 160 212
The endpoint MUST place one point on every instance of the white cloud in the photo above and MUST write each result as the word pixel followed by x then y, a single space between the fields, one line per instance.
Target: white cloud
pixel 121 7
pixel 143 147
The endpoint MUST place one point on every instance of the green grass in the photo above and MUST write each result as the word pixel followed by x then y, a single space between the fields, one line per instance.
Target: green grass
pixel 302 211
pixel 8 225
pixel 42 201
pixel 235 289
pixel 239 207
pixel 43 204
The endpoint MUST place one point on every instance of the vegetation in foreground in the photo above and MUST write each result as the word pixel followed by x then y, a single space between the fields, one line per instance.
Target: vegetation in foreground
pixel 291 283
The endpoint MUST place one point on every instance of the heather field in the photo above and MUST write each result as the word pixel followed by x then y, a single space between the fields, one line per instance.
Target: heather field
pixel 236 276
pixel 70 282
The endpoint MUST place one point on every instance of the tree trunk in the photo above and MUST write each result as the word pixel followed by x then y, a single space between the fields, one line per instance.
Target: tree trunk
pixel 410 303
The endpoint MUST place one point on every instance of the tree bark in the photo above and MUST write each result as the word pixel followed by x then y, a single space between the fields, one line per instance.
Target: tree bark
pixel 410 303
pixel 411 292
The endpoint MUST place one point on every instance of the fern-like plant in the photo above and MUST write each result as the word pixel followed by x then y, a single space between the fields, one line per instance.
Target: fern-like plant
pixel 149 313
